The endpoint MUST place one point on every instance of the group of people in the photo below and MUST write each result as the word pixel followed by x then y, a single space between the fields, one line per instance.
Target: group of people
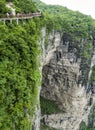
pixel 22 14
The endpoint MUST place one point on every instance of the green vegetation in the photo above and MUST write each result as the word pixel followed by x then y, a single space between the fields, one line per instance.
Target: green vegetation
pixel 49 107
pixel 91 121
pixel 92 79
pixel 19 72
pixel 24 6
pixel 76 28
pixel 86 54
pixel 84 127
pixel 65 20
pixel 45 127
pixel 3 8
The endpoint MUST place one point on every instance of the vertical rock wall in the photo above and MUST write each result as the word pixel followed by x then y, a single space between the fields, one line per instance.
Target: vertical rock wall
pixel 64 83
pixel 37 115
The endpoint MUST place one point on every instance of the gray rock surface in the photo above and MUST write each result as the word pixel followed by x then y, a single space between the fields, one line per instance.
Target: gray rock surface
pixel 61 83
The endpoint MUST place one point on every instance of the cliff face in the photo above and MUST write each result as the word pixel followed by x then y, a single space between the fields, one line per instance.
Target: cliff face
pixel 37 115
pixel 65 76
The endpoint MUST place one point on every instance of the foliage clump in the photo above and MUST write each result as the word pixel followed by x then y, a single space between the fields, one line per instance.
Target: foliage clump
pixel 76 29
pixel 21 6
pixel 49 107
pixel 19 68
pixel 25 6
pixel 91 120
pixel 92 79
pixel 45 127
pixel 19 73
pixel 3 8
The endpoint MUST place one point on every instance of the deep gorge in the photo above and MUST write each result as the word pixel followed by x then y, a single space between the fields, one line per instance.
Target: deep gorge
pixel 64 85
pixel 47 69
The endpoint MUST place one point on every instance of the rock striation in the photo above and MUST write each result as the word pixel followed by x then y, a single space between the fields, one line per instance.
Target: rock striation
pixel 65 81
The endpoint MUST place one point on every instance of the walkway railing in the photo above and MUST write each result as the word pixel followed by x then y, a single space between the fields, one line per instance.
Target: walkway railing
pixel 19 16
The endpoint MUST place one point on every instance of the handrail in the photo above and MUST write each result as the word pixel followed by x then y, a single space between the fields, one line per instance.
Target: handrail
pixel 21 16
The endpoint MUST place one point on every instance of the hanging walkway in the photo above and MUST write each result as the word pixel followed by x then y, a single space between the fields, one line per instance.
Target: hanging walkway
pixel 19 16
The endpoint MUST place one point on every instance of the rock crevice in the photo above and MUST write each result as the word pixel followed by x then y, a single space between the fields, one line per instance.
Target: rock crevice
pixel 63 83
